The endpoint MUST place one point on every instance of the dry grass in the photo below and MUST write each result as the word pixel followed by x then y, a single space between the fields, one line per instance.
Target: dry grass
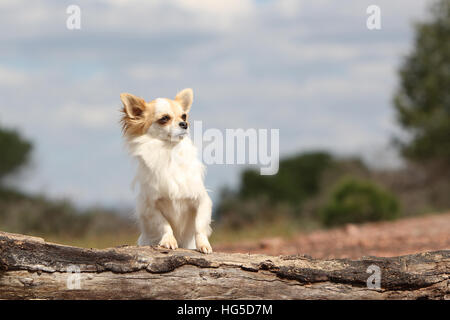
pixel 281 228
pixel 95 241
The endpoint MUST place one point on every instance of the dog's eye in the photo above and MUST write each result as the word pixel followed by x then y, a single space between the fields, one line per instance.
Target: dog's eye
pixel 183 117
pixel 164 119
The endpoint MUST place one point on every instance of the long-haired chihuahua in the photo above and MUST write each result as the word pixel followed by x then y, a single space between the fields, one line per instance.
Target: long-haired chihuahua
pixel 173 206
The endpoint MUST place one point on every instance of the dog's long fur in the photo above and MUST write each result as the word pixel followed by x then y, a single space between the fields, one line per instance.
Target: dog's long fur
pixel 173 206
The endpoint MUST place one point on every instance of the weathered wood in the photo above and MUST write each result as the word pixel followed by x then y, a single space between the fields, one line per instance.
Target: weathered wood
pixel 31 268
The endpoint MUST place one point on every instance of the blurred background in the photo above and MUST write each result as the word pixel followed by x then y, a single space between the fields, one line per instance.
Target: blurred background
pixel 364 118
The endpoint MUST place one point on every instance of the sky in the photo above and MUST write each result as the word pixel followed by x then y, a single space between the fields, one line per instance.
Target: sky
pixel 311 69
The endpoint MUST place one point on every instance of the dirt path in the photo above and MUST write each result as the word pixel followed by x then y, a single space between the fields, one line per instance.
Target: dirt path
pixel 353 241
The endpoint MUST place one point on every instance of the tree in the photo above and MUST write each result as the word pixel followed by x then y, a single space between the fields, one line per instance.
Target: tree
pixel 297 179
pixel 15 152
pixel 422 101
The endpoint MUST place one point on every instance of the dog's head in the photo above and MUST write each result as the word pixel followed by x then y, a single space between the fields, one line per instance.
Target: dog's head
pixel 162 118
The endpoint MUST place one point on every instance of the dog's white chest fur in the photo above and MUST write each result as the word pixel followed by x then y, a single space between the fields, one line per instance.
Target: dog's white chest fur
pixel 167 171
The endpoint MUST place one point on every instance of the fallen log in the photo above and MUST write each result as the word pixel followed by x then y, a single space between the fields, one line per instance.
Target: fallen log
pixel 31 268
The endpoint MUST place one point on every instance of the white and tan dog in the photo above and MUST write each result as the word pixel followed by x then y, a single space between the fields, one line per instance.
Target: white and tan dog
pixel 173 206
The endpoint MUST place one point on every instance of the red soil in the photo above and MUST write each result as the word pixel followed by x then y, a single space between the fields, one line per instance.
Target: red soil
pixel 386 239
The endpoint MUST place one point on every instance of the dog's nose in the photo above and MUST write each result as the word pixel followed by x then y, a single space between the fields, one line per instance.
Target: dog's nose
pixel 183 124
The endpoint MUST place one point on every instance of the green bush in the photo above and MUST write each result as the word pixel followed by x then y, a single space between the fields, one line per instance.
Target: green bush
pixel 357 201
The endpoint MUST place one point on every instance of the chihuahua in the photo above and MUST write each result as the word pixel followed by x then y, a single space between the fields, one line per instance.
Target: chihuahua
pixel 173 207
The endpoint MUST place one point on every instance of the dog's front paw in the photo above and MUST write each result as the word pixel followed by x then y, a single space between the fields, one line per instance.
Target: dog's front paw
pixel 205 248
pixel 202 244
pixel 169 242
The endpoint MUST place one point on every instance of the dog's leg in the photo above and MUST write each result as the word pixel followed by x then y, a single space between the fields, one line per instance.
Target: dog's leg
pixel 202 225
pixel 156 230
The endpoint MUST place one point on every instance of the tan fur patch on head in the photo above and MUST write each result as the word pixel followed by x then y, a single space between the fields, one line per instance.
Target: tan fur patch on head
pixel 137 126
pixel 137 115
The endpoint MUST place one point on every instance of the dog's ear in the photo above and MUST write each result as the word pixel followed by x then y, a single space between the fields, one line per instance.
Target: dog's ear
pixel 133 106
pixel 185 97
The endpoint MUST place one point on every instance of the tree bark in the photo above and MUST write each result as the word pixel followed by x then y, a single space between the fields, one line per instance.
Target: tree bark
pixel 31 268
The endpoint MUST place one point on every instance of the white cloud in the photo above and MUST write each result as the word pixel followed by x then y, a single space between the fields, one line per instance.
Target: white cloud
pixel 84 116
pixel 217 8
pixel 10 77
pixel 147 72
